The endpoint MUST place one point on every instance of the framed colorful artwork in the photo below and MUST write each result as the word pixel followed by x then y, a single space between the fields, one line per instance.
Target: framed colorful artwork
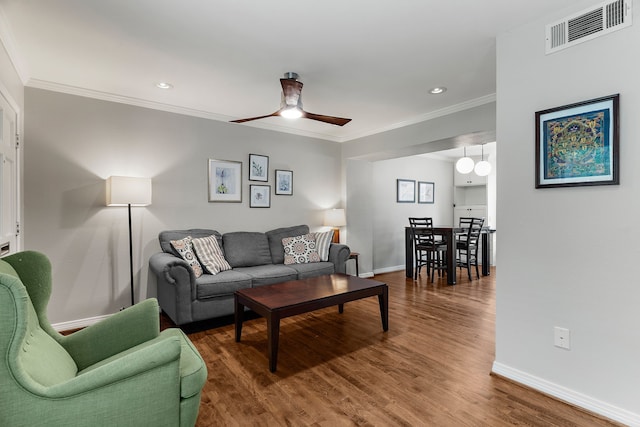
pixel 578 144
pixel 225 181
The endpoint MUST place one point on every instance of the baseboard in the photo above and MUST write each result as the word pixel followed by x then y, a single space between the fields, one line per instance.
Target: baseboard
pixel 567 395
pixel 388 269
pixel 78 324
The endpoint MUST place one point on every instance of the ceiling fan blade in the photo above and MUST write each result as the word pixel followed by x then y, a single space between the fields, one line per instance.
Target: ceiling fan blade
pixel 338 121
pixel 277 113
pixel 291 90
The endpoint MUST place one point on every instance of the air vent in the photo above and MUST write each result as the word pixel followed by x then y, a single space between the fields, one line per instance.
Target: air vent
pixel 588 24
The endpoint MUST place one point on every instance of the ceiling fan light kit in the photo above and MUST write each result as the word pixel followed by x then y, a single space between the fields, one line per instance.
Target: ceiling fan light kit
pixel 291 106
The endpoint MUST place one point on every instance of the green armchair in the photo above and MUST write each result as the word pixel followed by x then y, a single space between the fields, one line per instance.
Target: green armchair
pixel 121 371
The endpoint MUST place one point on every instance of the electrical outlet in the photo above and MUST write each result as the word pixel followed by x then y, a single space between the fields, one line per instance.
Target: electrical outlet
pixel 562 338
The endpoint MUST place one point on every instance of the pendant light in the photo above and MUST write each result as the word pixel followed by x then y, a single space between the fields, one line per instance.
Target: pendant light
pixel 465 164
pixel 483 167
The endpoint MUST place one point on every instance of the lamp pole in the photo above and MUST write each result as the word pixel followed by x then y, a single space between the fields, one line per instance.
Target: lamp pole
pixel 130 255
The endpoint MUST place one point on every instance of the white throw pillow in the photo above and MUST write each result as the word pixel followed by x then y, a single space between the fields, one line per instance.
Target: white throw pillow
pixel 300 249
pixel 210 254
pixel 323 241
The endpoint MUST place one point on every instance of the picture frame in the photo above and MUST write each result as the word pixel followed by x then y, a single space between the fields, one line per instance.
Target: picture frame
pixel 258 167
pixel 405 191
pixel 578 144
pixel 426 192
pixel 225 181
pixel 260 196
pixel 284 182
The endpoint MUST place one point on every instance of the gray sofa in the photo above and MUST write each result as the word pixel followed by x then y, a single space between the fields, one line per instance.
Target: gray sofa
pixel 256 259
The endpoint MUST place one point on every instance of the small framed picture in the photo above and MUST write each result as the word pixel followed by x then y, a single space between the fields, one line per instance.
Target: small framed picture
pixel 426 192
pixel 258 167
pixel 260 196
pixel 284 182
pixel 577 144
pixel 405 191
pixel 225 181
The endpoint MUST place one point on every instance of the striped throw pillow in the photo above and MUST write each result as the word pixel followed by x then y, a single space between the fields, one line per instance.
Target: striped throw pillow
pixel 323 241
pixel 210 254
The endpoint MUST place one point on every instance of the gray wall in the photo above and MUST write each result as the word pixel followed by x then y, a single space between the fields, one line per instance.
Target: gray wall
pixel 568 255
pixel 72 144
pixel 390 218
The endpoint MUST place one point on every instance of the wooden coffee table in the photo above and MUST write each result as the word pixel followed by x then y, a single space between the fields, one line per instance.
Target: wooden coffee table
pixel 275 302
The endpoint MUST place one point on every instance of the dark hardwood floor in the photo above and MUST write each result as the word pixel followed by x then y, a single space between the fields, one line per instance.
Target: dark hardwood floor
pixel 432 368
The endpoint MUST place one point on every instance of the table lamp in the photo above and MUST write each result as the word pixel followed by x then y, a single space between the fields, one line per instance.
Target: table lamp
pixel 129 191
pixel 335 218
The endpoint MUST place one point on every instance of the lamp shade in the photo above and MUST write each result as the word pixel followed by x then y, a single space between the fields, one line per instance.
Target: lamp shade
pixel 125 190
pixel 335 218
pixel 482 168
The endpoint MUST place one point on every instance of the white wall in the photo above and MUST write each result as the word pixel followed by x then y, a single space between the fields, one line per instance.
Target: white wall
pixel 72 144
pixel 568 255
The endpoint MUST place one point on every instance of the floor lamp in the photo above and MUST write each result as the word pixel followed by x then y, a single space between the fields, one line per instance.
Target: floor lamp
pixel 129 191
pixel 335 218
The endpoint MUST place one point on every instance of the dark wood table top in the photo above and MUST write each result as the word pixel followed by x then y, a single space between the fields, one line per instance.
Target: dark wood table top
pixel 287 294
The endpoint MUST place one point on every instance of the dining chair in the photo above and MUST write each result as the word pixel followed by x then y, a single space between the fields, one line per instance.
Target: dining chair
pixel 429 250
pixel 467 244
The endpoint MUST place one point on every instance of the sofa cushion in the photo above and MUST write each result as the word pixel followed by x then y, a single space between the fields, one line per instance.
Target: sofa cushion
pixel 323 242
pixel 222 284
pixel 165 238
pixel 300 249
pixel 313 269
pixel 246 248
pixel 185 250
pixel 268 274
pixel 275 240
pixel 210 254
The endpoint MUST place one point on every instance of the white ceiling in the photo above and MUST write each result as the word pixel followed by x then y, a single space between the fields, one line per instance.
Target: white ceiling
pixel 369 60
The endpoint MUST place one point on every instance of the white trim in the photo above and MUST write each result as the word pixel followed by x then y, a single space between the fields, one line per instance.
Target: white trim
pixel 426 117
pixel 106 96
pixel 77 324
pixel 388 269
pixel 567 395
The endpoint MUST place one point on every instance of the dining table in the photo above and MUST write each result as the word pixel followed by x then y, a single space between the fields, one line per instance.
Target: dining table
pixel 449 232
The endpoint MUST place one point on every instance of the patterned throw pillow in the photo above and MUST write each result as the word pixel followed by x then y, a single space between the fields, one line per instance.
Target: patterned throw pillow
pixel 300 249
pixel 185 249
pixel 323 241
pixel 210 254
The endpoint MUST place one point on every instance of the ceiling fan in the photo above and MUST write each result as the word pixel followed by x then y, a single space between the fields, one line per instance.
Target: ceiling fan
pixel 292 104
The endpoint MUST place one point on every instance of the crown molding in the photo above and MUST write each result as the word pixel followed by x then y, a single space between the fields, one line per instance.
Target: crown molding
pixel 107 96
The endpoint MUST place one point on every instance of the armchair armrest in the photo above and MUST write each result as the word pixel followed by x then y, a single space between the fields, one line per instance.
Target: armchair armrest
pixel 157 354
pixel 338 255
pixel 121 331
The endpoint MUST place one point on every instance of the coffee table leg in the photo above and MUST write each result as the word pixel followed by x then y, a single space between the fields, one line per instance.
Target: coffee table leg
pixel 273 329
pixel 383 299
pixel 239 317
pixel 340 308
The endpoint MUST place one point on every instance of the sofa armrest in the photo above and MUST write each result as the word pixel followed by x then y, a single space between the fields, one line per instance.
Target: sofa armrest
pixel 338 255
pixel 162 264
pixel 176 284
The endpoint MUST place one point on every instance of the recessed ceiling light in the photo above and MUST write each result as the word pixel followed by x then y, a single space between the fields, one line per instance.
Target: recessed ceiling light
pixel 437 90
pixel 164 85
